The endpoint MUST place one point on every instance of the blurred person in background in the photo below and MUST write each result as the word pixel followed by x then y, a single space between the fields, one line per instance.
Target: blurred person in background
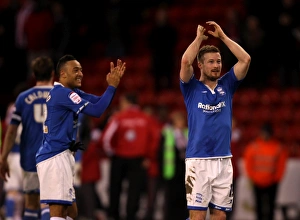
pixel 38 30
pixel 61 34
pixel 29 112
pixel 162 41
pixel 89 202
pixel 21 42
pixel 14 199
pixel 253 38
pixel 232 28
pixel 2 192
pixel 12 15
pixel 128 139
pixel 172 166
pixel 287 24
pixel 236 135
pixel 265 161
pixel 153 173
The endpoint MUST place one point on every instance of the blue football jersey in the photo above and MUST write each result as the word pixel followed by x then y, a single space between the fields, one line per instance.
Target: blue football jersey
pixel 62 121
pixel 209 116
pixel 29 111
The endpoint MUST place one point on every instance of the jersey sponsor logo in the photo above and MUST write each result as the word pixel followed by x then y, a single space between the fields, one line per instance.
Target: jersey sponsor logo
pixel 75 97
pixel 211 108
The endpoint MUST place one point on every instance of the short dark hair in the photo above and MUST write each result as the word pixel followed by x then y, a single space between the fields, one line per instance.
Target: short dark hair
pixel 206 49
pixel 131 98
pixel 267 128
pixel 62 61
pixel 42 68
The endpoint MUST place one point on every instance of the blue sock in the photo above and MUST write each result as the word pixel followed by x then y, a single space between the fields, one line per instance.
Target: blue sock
pixel 45 214
pixel 10 207
pixel 30 214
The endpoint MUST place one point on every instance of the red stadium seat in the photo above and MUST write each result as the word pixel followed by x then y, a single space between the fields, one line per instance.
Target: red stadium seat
pixel 242 114
pixel 292 133
pixel 269 96
pixel 246 97
pixel 282 114
pixel 261 114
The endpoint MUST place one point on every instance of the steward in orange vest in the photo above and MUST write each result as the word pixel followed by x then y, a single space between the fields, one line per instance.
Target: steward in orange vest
pixel 265 162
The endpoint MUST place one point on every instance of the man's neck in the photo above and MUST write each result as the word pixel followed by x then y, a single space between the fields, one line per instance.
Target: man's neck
pixel 44 83
pixel 211 84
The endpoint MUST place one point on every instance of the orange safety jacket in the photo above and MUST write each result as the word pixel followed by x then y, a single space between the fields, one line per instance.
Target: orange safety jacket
pixel 265 161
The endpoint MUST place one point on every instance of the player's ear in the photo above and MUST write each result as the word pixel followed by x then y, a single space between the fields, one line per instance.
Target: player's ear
pixel 199 64
pixel 63 74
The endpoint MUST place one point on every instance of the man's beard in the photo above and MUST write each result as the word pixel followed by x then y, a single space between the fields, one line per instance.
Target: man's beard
pixel 212 78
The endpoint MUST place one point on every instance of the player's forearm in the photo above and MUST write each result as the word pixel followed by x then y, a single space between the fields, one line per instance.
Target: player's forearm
pixel 188 58
pixel 192 50
pixel 97 109
pixel 9 141
pixel 236 49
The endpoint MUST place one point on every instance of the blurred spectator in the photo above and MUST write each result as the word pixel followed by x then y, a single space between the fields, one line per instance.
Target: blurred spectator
pixel 232 27
pixel 116 42
pixel 236 152
pixel 282 28
pixel 2 192
pixel 265 162
pixel 254 40
pixel 89 201
pixel 14 199
pixel 11 23
pixel 38 29
pixel 287 45
pixel 162 41
pixel 61 33
pixel 172 166
pixel 128 140
pixel 122 19
pixel 153 180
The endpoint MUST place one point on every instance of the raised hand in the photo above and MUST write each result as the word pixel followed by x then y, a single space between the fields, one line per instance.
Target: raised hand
pixel 218 32
pixel 200 32
pixel 116 73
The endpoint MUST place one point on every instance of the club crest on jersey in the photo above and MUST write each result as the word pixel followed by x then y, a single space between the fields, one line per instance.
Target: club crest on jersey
pixel 221 91
pixel 75 97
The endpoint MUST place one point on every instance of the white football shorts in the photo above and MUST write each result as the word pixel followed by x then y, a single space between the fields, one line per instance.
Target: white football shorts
pixel 208 183
pixel 56 176
pixel 15 179
pixel 31 182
